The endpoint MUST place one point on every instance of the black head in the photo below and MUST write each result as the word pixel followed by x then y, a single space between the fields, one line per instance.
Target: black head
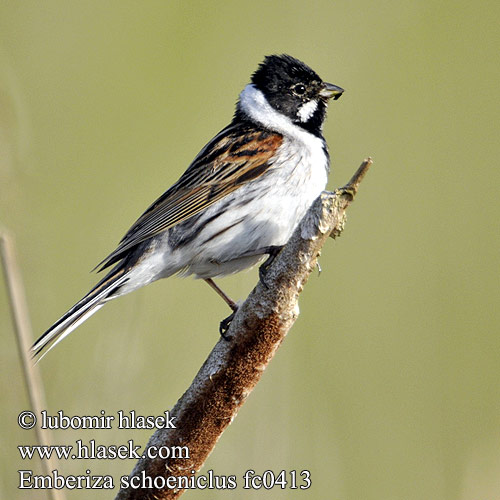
pixel 295 90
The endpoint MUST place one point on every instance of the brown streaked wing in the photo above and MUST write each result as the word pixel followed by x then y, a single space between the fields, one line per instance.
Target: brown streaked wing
pixel 228 162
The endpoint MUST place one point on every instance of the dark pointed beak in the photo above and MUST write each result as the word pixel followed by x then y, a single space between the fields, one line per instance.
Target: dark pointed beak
pixel 329 90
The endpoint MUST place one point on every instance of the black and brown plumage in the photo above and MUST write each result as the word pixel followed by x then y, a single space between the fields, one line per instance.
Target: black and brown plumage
pixel 240 199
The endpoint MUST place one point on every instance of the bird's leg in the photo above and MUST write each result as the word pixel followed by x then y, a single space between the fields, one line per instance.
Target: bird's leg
pixel 272 252
pixel 227 300
pixel 224 324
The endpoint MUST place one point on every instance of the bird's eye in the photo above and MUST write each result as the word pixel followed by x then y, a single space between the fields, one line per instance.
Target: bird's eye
pixel 299 89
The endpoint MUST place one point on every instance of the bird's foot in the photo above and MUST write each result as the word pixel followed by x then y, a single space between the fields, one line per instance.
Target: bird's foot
pixel 348 190
pixel 225 324
pixel 272 252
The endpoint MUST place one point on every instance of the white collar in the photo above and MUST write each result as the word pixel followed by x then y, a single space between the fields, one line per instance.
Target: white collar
pixel 254 104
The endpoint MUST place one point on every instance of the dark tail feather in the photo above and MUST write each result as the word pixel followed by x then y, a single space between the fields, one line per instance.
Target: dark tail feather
pixel 80 312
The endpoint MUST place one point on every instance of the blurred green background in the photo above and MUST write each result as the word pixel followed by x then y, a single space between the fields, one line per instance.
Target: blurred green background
pixel 388 385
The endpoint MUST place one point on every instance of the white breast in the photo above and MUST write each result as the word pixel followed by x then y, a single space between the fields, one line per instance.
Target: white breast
pixel 231 234
pixel 266 211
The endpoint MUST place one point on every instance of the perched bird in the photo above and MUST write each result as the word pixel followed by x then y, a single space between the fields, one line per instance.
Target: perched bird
pixel 239 200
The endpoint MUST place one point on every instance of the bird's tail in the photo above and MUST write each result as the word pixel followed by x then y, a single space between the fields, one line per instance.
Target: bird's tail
pixel 81 311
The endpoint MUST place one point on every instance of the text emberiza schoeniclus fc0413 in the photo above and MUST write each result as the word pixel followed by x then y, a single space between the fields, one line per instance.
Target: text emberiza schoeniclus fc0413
pixel 239 200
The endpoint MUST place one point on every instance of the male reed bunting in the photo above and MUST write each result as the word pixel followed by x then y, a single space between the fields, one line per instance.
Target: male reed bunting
pixel 239 200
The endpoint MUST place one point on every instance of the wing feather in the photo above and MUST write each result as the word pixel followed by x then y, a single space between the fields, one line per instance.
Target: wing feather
pixel 234 157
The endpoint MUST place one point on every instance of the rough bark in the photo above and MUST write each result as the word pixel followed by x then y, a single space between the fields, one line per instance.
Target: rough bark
pixel 234 367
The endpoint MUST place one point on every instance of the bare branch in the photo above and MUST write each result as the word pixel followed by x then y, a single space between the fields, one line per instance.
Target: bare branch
pixel 233 368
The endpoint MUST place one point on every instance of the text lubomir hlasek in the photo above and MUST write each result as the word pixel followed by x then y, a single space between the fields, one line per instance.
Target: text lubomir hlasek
pixel 129 420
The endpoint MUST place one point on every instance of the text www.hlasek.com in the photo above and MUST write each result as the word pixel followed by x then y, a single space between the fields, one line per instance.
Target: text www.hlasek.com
pixel 101 452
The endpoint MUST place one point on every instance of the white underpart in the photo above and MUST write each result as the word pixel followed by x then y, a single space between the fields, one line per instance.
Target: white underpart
pixel 263 212
pixel 279 199
pixel 307 110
